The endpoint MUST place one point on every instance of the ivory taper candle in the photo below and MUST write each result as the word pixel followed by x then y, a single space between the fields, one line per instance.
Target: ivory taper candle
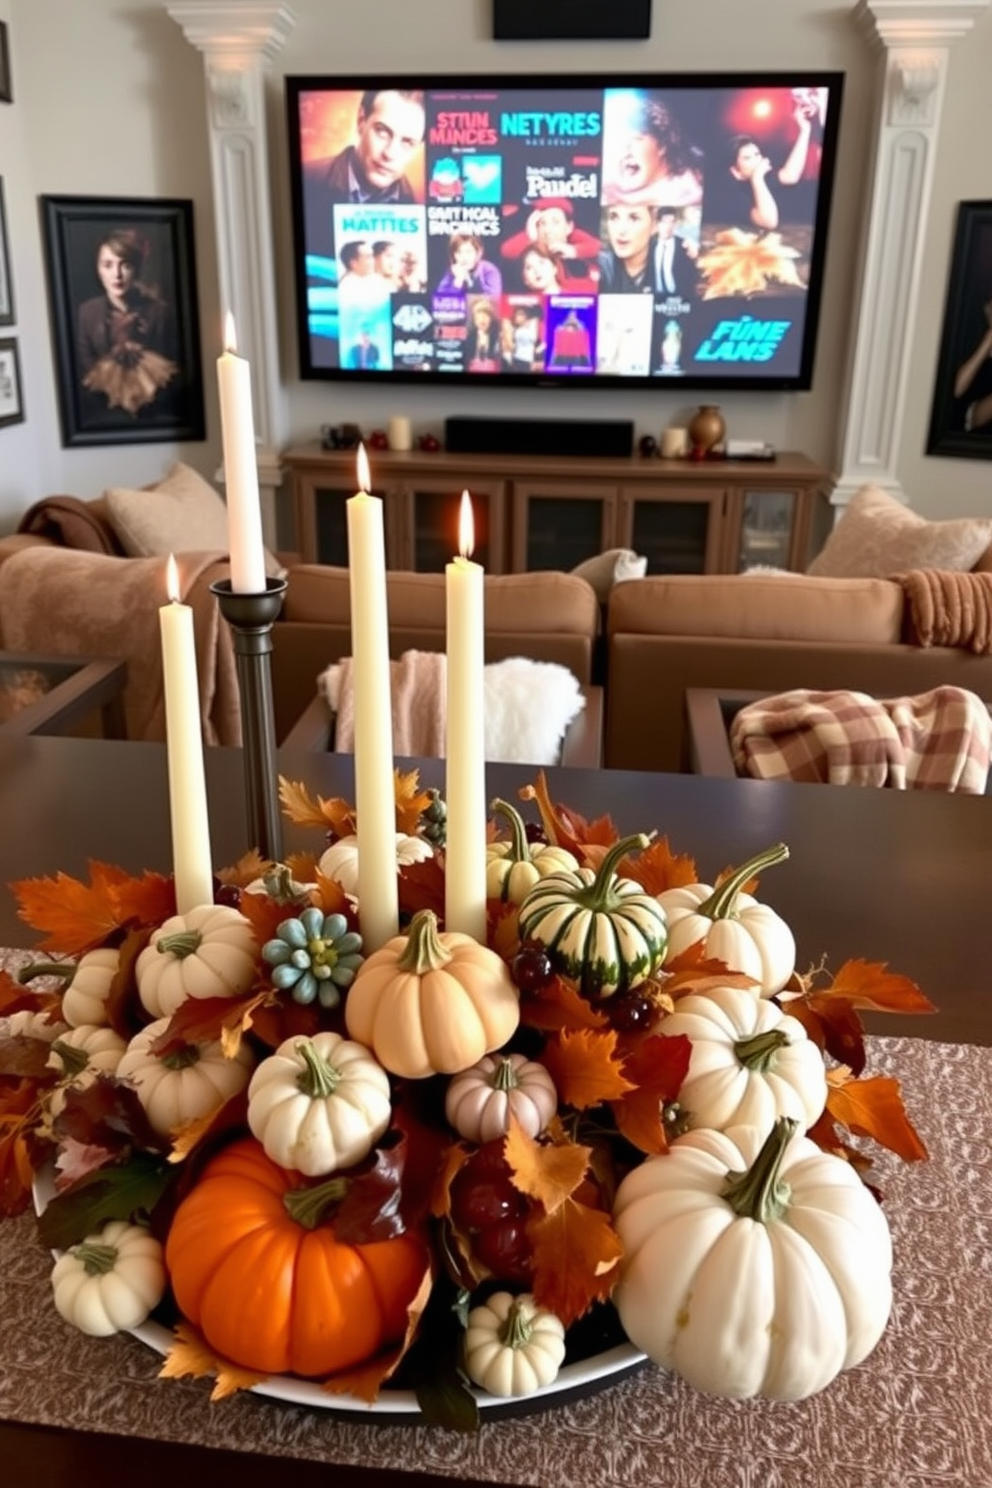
pixel 244 508
pixel 465 788
pixel 191 860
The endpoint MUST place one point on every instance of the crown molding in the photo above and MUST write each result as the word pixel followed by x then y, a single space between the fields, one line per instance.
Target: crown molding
pixel 901 23
pixel 236 29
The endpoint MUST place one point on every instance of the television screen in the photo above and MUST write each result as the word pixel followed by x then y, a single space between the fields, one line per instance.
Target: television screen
pixel 628 232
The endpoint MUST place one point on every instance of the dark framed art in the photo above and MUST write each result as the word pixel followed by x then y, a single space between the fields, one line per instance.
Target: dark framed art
pixel 6 86
pixel 125 323
pixel 961 419
pixel 6 280
pixel 11 397
pixel 571 20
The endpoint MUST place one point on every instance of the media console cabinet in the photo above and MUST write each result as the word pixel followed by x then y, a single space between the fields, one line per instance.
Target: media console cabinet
pixel 553 511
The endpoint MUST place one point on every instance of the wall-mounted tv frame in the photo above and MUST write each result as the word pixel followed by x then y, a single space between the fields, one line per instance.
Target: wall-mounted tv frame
pixel 590 231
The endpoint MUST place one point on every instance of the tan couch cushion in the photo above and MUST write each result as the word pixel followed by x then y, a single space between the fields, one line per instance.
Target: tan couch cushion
pixel 755 607
pixel 553 602
pixel 181 514
pixel 877 536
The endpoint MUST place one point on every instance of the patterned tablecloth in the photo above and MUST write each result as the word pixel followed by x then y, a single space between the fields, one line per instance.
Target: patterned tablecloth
pixel 916 1414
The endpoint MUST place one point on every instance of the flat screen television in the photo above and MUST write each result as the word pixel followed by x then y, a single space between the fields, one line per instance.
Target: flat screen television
pixel 591 231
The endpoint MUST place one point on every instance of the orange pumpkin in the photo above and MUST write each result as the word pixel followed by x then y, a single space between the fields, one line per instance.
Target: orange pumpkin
pixel 272 1295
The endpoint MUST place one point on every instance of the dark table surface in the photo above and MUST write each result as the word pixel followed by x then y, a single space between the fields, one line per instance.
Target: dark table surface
pixel 898 878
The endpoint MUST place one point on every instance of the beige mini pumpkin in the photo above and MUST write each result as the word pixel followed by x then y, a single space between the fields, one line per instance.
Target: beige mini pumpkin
pixel 185 1085
pixel 209 952
pixel 428 1003
pixel 80 1055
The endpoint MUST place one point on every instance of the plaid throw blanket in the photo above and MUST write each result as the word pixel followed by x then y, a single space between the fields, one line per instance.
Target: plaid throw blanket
pixel 939 740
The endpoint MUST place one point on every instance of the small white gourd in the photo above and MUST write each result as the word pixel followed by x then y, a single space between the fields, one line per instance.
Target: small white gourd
pixel 79 1055
pixel 480 1101
pixel 512 1346
pixel 185 1085
pixel 209 952
pixel 340 861
pixel 110 1281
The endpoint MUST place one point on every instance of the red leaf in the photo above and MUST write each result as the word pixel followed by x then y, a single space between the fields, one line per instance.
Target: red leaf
pixel 657 1067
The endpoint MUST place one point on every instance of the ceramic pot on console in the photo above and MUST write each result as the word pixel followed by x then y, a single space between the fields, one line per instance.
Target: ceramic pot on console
pixel 706 430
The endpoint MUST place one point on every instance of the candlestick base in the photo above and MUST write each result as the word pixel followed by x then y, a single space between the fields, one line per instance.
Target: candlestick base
pixel 251 617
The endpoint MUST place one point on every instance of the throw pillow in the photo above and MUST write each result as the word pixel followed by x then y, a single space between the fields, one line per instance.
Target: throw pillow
pixel 181 514
pixel 877 537
pixel 609 568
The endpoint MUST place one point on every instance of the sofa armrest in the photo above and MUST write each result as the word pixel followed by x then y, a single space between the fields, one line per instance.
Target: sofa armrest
pixel 709 713
pixel 582 746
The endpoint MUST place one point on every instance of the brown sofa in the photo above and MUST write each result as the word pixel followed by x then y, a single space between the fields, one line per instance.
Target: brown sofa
pixel 762 632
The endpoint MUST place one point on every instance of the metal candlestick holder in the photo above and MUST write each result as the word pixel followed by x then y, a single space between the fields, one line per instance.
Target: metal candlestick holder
pixel 251 618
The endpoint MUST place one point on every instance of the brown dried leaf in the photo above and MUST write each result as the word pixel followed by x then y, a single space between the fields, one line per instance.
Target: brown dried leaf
pixel 547 1172
pixel 245 871
pixel 586 1068
pixel 873 1108
pixel 334 815
pixel 657 868
pixel 410 802
pixel 575 1253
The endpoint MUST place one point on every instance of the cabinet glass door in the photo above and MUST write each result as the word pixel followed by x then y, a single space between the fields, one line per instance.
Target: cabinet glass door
pixel 678 532
pixel 430 535
pixel 766 529
pixel 557 525
pixel 330 516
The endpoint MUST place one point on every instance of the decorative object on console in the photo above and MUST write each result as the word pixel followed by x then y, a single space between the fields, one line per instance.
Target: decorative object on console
pixel 399 433
pixel 706 430
pixel 961 417
pixel 878 537
pixel 181 514
pixel 647 446
pixel 674 443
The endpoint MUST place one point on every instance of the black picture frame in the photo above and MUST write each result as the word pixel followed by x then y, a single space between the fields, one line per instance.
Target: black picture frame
pixel 11 387
pixel 130 375
pixel 961 417
pixel 571 20
pixel 7 315
pixel 6 84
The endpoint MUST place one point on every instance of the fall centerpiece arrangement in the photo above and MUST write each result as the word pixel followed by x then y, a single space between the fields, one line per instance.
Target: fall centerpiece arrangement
pixel 448 1167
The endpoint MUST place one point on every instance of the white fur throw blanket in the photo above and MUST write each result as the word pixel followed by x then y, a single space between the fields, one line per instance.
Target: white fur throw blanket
pixel 528 706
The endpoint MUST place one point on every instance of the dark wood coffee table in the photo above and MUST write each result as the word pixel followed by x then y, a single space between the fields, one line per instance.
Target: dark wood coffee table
pixel 55 695
pixel 892 877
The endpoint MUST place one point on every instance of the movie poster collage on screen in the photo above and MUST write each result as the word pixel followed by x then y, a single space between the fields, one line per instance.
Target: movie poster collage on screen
pixel 578 263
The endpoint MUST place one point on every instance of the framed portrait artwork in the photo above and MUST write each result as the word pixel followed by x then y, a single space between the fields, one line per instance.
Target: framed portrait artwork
pixel 122 292
pixel 6 86
pixel 961 420
pixel 11 398
pixel 6 281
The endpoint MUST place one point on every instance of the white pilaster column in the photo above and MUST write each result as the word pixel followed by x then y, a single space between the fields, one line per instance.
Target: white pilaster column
pixel 238 38
pixel 916 36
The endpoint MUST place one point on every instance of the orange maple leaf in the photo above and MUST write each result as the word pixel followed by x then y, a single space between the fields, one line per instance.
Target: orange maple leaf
pixel 868 984
pixel 693 971
pixel 547 1172
pixel 873 1108
pixel 76 916
pixel 16 1172
pixel 410 802
pixel 250 865
pixel 191 1356
pixel 558 1006
pixel 265 915
pixel 564 827
pixel 333 814
pixel 575 1252
pixel 657 868
pixel 656 1067
pixel 585 1067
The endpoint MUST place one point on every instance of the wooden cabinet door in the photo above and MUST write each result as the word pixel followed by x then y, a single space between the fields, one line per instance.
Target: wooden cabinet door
pixel 772 526
pixel 679 529
pixel 427 511
pixel 559 523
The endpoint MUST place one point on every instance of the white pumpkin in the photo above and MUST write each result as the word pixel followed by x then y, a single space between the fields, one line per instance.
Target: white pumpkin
pixel 480 1101
pixel 186 1085
pixel 514 867
pixel 512 1346
pixel 753 1263
pixel 746 936
pixel 85 998
pixel 750 1062
pixel 340 861
pixel 111 1280
pixel 319 1104
pixel 79 1055
pixel 209 952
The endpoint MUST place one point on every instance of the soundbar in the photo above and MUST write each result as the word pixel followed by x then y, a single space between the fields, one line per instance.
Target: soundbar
pixel 508 436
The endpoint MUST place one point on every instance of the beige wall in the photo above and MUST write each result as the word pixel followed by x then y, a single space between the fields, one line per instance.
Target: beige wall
pixel 109 100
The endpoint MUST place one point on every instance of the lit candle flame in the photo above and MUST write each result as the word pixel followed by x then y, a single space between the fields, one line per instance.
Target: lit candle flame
pixel 466 527
pixel 230 339
pixel 364 478
pixel 172 579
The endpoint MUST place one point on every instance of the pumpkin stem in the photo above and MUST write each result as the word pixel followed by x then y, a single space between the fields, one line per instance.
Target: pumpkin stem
pixel 182 1058
pixel 722 903
pixel 74 1060
pixel 319 1079
pixel 760 1193
pixel 97 1259
pixel 516 1328
pixel 599 895
pixel 64 969
pixel 504 1076
pixel 758 1052
pixel 423 951
pixel 308 1206
pixel 182 944
pixel 519 846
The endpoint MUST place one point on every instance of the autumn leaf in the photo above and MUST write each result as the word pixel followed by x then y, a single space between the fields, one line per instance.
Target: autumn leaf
pixel 410 802
pixel 190 1357
pixel 575 1251
pixel 504 928
pixel 547 1172
pixel 365 1380
pixel 563 827
pixel 124 1010
pixel 76 1160
pixel 330 898
pixel 873 1108
pixel 146 901
pixel 74 916
pixel 245 871
pixel 869 985
pixel 264 915
pixel 657 868
pixel 656 1067
pixel 693 971
pixel 833 1025
pixel 334 815
pixel 111 1192
pixel 585 1068
pixel 16 1171
pixel 557 1006
pixel 302 866
pixel 421 886
pixel 229 1115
